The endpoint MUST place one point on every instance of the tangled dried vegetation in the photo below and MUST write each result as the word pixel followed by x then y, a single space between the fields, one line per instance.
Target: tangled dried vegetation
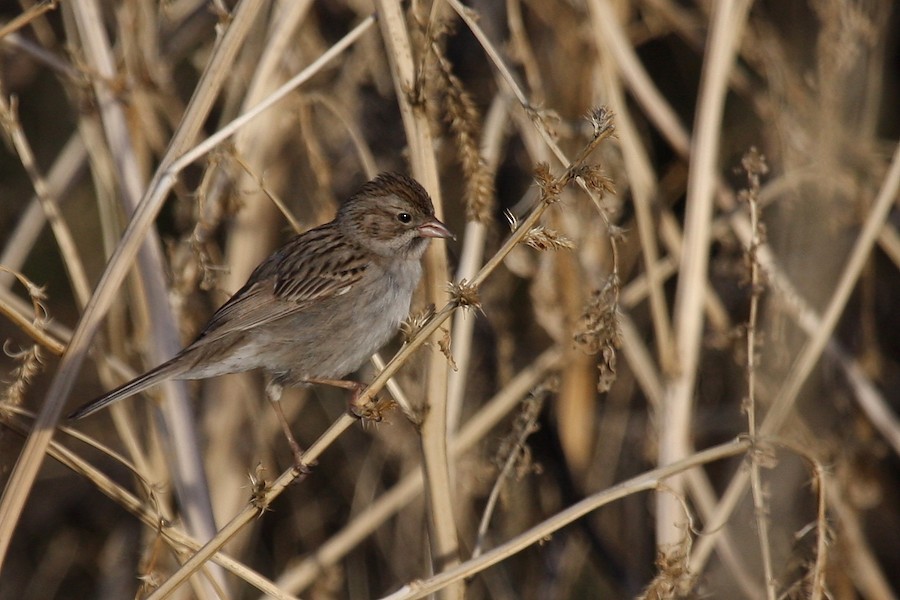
pixel 658 361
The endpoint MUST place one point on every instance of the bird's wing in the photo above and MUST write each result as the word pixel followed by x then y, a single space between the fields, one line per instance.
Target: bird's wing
pixel 308 270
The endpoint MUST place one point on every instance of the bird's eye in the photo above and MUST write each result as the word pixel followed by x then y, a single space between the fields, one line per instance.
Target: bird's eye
pixel 404 217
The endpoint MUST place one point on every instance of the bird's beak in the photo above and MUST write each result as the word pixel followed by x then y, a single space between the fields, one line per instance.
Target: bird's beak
pixel 435 229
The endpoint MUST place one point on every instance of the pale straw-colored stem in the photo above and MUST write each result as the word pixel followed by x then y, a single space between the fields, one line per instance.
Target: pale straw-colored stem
pixel 31 457
pixel 648 481
pixel 675 422
pixel 443 538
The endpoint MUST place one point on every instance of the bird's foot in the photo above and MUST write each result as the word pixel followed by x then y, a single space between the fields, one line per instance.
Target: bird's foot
pixel 302 468
pixel 371 411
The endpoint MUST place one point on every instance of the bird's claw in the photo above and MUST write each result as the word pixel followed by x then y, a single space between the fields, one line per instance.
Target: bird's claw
pixel 301 468
pixel 372 411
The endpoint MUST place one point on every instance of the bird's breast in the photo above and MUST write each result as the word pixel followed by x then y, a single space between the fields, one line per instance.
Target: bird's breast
pixel 337 337
pixel 401 281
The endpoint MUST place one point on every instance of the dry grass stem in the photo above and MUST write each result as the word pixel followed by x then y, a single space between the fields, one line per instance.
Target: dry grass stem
pixel 392 501
pixel 754 165
pixel 727 21
pixel 443 527
pixel 35 327
pixel 9 118
pixel 143 510
pixel 784 400
pixel 258 503
pixel 650 480
pixel 517 457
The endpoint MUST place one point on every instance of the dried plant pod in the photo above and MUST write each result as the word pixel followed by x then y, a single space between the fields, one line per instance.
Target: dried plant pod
pixel 600 332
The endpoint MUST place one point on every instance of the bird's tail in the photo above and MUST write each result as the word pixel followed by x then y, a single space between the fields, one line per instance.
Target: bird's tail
pixel 169 369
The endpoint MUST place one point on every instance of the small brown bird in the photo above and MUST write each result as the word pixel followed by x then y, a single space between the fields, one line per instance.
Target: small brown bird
pixel 318 307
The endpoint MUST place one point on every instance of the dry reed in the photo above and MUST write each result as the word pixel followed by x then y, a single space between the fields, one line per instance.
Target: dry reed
pixel 637 301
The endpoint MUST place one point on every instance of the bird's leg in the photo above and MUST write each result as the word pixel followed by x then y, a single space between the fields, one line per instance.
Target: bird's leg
pixel 369 410
pixel 273 393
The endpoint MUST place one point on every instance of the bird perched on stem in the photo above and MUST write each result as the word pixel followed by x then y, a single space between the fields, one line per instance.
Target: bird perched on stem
pixel 319 306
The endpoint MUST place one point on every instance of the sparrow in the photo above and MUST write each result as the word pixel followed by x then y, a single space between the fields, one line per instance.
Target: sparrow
pixel 319 306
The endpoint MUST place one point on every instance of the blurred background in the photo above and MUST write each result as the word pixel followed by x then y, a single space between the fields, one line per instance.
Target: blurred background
pixel 814 90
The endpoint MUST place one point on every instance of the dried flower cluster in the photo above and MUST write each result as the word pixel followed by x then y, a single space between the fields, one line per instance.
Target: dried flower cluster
pixel 416 321
pixel 461 115
pixel 464 294
pixel 29 361
pixel 544 238
pixel 600 333
pixel 635 285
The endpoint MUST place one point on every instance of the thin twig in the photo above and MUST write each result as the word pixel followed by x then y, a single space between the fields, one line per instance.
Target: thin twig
pixel 32 13
pixel 755 166
pixel 474 431
pixel 525 426
pixel 68 249
pixel 784 400
pixel 179 540
pixel 647 481
pixel 38 334
pixel 26 468
pixel 261 500
pixel 442 519
pixel 728 20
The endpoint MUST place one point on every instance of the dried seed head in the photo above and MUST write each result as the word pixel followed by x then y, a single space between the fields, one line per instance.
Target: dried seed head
pixel 544 238
pixel 30 360
pixel 30 363
pixel 414 324
pixel 596 179
pixel 601 119
pixel 460 112
pixel 754 162
pixel 464 294
pixel 674 579
pixel 258 488
pixel 600 332
pixel 550 187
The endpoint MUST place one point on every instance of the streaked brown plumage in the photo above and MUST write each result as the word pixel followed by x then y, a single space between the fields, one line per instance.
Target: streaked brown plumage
pixel 320 305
